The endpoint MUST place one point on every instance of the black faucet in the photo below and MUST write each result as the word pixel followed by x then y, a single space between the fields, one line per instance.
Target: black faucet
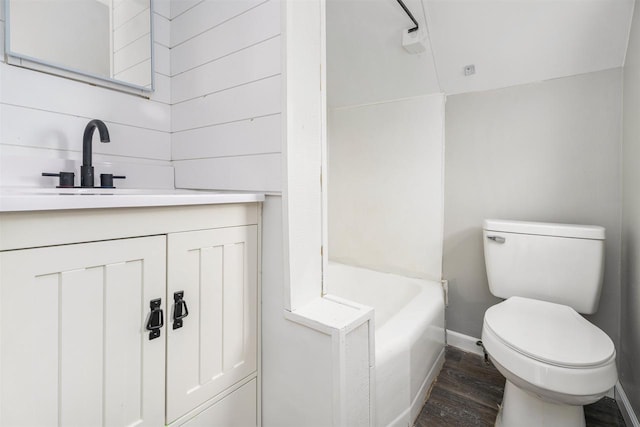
pixel 86 170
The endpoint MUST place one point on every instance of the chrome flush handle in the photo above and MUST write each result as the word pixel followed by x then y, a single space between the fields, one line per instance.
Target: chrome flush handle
pixel 497 239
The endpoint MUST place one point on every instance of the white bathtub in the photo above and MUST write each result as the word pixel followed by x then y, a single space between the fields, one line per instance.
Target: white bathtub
pixel 409 336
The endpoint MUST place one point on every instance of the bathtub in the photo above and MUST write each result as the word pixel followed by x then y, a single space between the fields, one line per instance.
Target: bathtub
pixel 409 336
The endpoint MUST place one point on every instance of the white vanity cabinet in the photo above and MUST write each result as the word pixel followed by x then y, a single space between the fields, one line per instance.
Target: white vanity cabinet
pixel 215 273
pixel 75 349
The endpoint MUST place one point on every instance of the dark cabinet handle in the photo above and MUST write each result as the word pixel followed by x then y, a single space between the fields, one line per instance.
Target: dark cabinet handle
pixel 180 310
pixel 156 318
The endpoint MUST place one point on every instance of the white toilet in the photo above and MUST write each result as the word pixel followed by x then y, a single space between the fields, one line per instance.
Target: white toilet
pixel 554 360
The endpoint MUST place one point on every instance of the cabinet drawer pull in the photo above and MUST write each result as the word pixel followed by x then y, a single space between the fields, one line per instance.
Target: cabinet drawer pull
pixel 180 309
pixel 156 318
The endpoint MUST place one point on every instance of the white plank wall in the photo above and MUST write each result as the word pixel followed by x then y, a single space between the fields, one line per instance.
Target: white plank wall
pixel 42 118
pixel 215 115
pixel 226 94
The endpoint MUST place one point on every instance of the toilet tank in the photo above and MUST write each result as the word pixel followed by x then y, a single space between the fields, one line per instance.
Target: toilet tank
pixel 561 263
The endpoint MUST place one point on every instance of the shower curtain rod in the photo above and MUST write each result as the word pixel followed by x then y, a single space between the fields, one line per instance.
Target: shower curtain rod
pixel 411 30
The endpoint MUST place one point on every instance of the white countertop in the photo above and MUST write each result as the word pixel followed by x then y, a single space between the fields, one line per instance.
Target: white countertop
pixel 16 199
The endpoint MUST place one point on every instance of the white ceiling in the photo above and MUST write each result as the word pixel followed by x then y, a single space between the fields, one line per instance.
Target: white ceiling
pixel 365 59
pixel 510 42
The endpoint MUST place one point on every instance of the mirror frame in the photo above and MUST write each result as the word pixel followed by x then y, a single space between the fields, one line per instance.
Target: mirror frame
pixel 26 61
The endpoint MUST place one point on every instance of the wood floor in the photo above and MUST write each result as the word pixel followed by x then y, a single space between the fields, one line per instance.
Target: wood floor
pixel 468 391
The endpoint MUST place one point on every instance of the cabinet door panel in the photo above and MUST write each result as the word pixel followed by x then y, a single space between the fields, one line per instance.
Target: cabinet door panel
pixel 74 349
pixel 217 345
pixel 125 384
pixel 81 351
pixel 211 313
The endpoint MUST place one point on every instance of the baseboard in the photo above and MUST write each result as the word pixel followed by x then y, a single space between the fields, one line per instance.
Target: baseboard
pixel 630 418
pixel 464 342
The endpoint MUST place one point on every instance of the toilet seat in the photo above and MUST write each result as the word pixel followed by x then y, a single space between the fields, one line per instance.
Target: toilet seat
pixel 551 333
pixel 549 350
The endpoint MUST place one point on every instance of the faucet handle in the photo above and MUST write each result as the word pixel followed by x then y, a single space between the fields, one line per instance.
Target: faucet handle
pixel 106 179
pixel 67 179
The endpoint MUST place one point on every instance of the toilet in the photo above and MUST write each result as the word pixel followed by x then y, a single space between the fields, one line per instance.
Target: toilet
pixel 553 359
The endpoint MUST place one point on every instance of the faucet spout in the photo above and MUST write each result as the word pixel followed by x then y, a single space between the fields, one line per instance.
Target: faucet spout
pixel 86 170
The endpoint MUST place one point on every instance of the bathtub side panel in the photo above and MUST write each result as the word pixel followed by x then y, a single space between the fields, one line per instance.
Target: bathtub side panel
pixel 409 355
pixel 392 385
pixel 429 343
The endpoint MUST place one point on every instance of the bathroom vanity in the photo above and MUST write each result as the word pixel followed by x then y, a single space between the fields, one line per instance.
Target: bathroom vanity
pixel 129 309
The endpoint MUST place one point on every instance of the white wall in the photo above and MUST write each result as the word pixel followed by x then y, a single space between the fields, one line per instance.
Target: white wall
pixel 317 362
pixel 317 351
pixel 547 151
pixel 629 349
pixel 386 185
pixel 226 94
pixel 287 397
pixel 385 141
pixel 42 119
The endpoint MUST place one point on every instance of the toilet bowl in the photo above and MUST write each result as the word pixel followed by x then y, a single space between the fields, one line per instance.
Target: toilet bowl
pixel 553 359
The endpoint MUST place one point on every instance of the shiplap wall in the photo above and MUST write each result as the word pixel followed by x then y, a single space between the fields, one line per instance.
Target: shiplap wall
pixel 42 119
pixel 226 94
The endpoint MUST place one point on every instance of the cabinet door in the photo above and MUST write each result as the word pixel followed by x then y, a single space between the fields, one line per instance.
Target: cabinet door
pixel 74 350
pixel 217 343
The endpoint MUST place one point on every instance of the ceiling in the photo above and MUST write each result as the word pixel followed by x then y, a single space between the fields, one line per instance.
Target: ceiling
pixel 510 42
pixel 365 59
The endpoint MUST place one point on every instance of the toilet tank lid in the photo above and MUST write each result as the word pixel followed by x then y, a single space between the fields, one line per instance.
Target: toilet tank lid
pixel 575 231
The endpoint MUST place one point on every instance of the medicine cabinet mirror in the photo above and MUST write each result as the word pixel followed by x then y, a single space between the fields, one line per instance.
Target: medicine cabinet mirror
pixel 107 42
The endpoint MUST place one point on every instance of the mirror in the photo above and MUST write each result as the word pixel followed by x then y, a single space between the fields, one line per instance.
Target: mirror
pixel 108 40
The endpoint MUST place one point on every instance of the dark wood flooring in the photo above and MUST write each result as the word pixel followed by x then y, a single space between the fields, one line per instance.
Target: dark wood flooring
pixel 468 390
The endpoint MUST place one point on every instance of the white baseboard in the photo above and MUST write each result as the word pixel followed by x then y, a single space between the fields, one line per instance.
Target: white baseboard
pixel 630 418
pixel 464 342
